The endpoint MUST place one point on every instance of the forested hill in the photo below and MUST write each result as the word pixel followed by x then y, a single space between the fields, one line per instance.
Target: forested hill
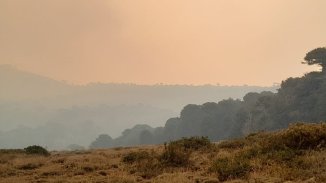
pixel 297 100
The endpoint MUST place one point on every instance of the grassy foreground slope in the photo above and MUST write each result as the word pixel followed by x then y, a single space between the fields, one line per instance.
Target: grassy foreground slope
pixel 296 154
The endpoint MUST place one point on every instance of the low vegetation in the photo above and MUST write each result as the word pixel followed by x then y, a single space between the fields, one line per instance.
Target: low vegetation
pixel 192 143
pixel 176 154
pixel 133 157
pixel 231 167
pixel 290 154
pixel 296 154
pixel 35 149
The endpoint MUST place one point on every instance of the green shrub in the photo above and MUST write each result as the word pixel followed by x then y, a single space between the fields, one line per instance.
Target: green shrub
pixel 231 167
pixel 36 150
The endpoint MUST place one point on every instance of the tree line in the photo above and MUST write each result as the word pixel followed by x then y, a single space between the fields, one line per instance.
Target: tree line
pixel 298 99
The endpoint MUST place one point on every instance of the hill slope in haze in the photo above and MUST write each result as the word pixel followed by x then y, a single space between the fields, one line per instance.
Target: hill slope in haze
pixel 298 99
pixel 32 105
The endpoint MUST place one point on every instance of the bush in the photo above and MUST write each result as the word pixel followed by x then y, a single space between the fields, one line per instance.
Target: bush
pixel 286 149
pixel 231 167
pixel 297 137
pixel 232 144
pixel 36 150
pixel 175 155
pixel 150 168
pixel 133 157
pixel 143 162
pixel 305 136
pixel 193 143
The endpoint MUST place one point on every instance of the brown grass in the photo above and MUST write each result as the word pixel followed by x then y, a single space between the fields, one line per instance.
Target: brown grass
pixel 296 154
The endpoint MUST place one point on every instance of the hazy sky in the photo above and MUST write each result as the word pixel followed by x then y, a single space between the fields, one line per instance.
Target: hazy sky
pixel 233 42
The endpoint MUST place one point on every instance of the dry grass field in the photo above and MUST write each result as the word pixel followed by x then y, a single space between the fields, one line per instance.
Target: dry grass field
pixel 296 154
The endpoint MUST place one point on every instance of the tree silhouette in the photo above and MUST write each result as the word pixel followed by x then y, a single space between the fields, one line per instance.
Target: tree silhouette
pixel 102 141
pixel 316 57
pixel 146 137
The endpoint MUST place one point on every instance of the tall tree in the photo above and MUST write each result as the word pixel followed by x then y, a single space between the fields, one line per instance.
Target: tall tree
pixel 316 57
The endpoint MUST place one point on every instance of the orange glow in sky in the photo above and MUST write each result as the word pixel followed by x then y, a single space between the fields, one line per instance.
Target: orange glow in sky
pixel 231 42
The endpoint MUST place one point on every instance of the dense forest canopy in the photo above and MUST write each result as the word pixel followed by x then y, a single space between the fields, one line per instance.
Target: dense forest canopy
pixel 298 99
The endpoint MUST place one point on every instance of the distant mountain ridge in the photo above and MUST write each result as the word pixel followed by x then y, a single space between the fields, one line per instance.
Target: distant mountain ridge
pixel 19 85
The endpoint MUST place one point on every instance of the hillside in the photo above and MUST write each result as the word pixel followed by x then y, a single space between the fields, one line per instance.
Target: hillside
pixel 298 99
pixel 18 85
pixel 296 154
pixel 32 106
